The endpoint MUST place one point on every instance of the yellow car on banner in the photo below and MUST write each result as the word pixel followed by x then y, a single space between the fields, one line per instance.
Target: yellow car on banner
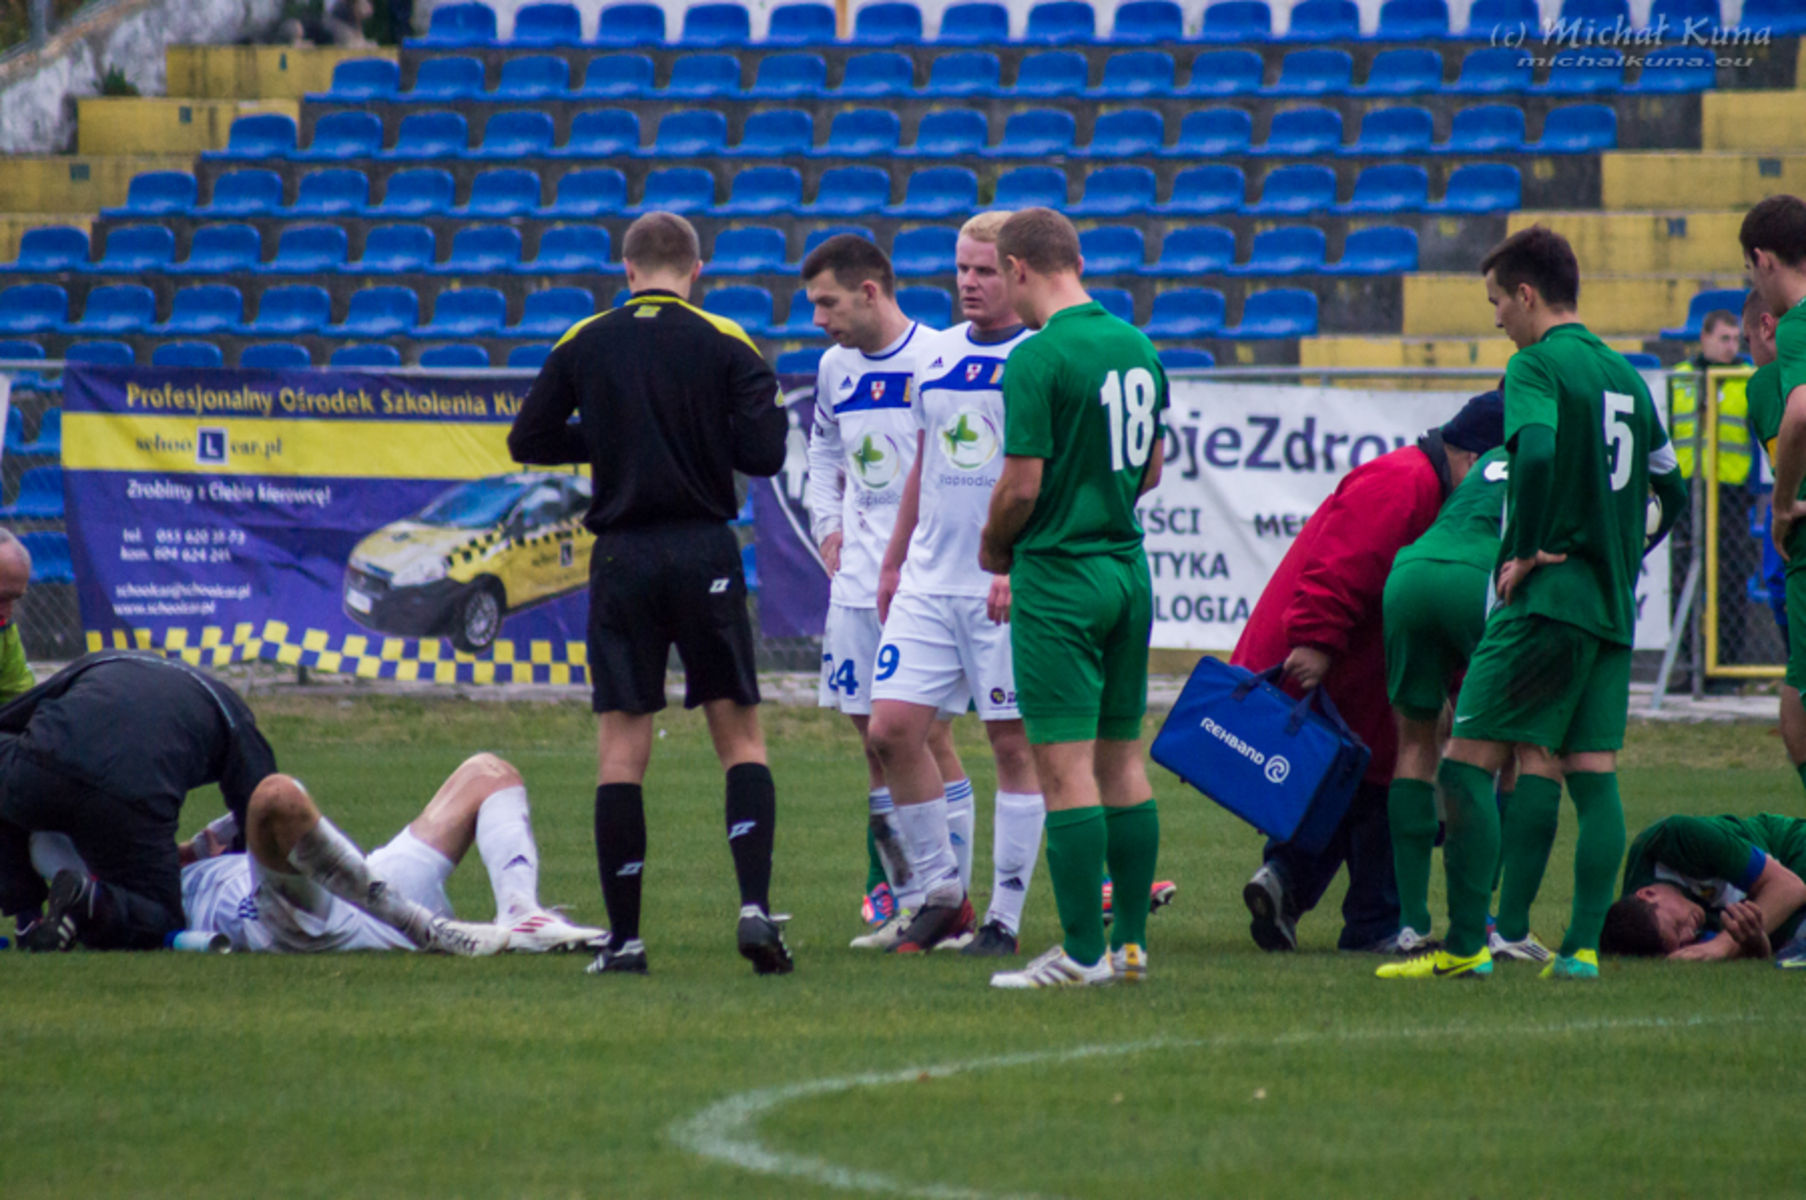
pixel 478 552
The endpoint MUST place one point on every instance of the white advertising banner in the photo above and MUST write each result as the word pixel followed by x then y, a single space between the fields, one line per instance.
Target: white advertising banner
pixel 1246 465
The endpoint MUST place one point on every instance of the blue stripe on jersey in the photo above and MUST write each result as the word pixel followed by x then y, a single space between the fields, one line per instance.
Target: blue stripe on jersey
pixel 973 373
pixel 875 390
pixel 1758 860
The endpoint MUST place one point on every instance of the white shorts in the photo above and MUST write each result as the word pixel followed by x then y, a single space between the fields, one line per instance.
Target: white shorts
pixel 261 910
pixel 940 650
pixel 849 647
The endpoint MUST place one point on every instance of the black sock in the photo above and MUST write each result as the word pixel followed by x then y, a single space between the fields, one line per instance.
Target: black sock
pixel 752 810
pixel 621 855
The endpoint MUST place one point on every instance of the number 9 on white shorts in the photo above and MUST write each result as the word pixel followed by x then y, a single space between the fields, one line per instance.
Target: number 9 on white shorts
pixel 942 651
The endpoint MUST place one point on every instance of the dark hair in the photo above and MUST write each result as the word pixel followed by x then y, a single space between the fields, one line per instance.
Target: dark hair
pixel 1630 929
pixel 853 260
pixel 1715 318
pixel 661 241
pixel 1777 225
pixel 1540 257
pixel 1753 302
pixel 1041 239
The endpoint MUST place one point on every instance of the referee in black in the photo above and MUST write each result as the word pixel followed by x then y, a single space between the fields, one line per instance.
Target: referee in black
pixel 670 401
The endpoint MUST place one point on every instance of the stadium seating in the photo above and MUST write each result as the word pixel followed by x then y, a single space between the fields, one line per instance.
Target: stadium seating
pixel 204 308
pixel 342 135
pixel 862 133
pixel 1126 133
pixel 260 135
pixel 966 73
pixel 1482 187
pixel 924 251
pixel 457 78
pixel 1388 188
pixel 572 250
pixel 1313 73
pixel 1237 21
pixel 439 134
pixel 49 442
pixel 1325 21
pixel 1225 73
pixel 1115 191
pixel 1413 20
pixel 1577 129
pixel 416 192
pixel 456 357
pixel 800 321
pixel 1381 250
pixel 1276 313
pixel 102 353
pixel 592 192
pixel 1185 313
pixel 1112 250
pixel 749 307
pixel 116 308
pixel 308 249
pixel 676 189
pixel 932 306
pixel 1296 189
pixel 631 25
pixel 40 496
pixel 1403 72
pixel 599 133
pixel 802 361
pixel 329 193
pixel 887 24
pixel 1201 191
pixel 530 357
pixel 949 132
pixel 747 250
pixel 760 190
pixel 1137 73
pixel 515 134
pixel 282 356
pixel 1213 133
pixel 938 192
pixel 696 76
pixel 459 25
pixel 503 192
pixel 465 312
pixel 1389 131
pixel 1289 250
pixel 1486 129
pixel 849 191
pixel 482 249
pixel 800 25
pixel 247 192
pixel 1181 358
pixel 616 75
pixel 1147 21
pixel 376 312
pixel 1031 187
pixel 1583 72
pixel 135 248
pixel 392 249
pixel 49 248
pixel 1730 300
pixel 1492 70
pixel 549 312
pixel 1678 69
pixel 157 192
pixel 1115 301
pixel 1304 133
pixel 1036 133
pixel 187 354
pixel 533 77
pixel 360 79
pixel 547 25
pixel 1193 250
pixel 353 356
pixel 879 73
pixel 33 308
pixel 1058 21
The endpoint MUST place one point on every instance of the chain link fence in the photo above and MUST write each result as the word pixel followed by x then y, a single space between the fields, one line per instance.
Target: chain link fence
pixel 31 472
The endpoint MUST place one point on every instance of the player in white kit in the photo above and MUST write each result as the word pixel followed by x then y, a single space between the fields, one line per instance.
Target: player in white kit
pixel 861 449
pixel 945 618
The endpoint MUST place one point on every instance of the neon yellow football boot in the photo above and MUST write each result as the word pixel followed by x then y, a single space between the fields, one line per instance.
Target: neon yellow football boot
pixel 1583 964
pixel 1440 964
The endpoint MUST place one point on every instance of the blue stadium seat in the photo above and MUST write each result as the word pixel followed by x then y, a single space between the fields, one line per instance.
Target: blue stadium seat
pixel 342 135
pixel 1578 129
pixel 116 308
pixel 617 75
pixel 1413 20
pixel 1276 313
pixel 1036 133
pixel 1058 22
pixel 101 353
pixel 863 133
pixel 260 135
pixel 850 191
pixel 749 307
pixel 529 358
pixel 155 193
pixel 291 309
pixel 777 132
pixel 1504 16
pixel 950 132
pixel 1112 250
pixel 1678 69
pixel 928 250
pixel 457 357
pixel 1382 250
pixel 1180 358
pixel 1679 12
pixel 437 134
pixel 466 312
pixel 48 248
pixel 422 191
pixel 1136 73
pixel 1780 17
pixel 1237 21
pixel 1585 72
pixel 932 306
pixel 676 189
pixel 790 75
pixel 749 565
pixel 1031 187
pixel 1389 188
pixel 880 73
pixel 1314 73
pixel 33 308
pixel 1225 73
pixel 887 24
pixel 378 312
pixel 345 356
pixel 1296 190
pixel 1051 73
pixel 1730 300
pixel 1406 130
pixel 747 250
pixel 132 249
pixel 965 73
pixel 1213 133
pixel 205 308
pixel 533 77
pixel 571 250
pixel 308 250
pixel 974 24
pixel 187 354
pixel 394 249
pixel 550 312
pixel 716 25
pixel 1325 21
pixel 1303 133
pixel 1642 361
pixel 801 25
pixel 1482 187
pixel 40 496
pixel 687 132
pixel 1185 313
pixel 1115 191
pixel 452 78
pixel 804 361
pixel 51 561
pixel 1287 250
pixel 1127 133
pixel 702 75
pixel 631 25
pixel 29 351
pixel 217 249
pixel 1201 191
pixel 1493 70
pixel 1115 301
pixel 459 25
pixel 547 25
pixel 1147 21
pixel 244 193
pixel 360 79
pixel 503 192
pixel 1605 12
pixel 938 192
pixel 1193 250
pixel 800 321
pixel 591 192
pixel 283 356
pixel 600 133
pixel 481 249
pixel 1405 72
pixel 516 134
pixel 331 192
pixel 760 190
pixel 1486 129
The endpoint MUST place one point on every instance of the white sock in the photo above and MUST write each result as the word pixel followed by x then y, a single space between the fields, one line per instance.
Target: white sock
pixel 53 852
pixel 1016 843
pixel 505 840
pixel 332 860
pixel 931 858
pixel 959 829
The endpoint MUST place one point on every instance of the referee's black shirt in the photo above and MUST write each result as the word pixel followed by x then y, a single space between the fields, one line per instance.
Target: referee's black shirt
pixel 671 401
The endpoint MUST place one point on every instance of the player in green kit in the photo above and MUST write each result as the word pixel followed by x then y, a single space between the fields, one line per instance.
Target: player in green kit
pixel 1551 675
pixel 1082 441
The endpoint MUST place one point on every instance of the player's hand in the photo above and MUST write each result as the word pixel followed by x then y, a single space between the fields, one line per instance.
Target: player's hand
pixel 889 580
pixel 1743 922
pixel 992 560
pixel 1307 665
pixel 1516 570
pixel 830 554
pixel 1786 517
pixel 997 604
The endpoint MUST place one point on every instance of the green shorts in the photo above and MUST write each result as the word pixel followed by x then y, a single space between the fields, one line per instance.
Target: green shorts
pixel 1542 682
pixel 1796 628
pixel 1434 612
pixel 1079 632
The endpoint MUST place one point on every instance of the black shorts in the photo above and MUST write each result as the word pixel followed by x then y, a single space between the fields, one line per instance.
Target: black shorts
pixel 660 586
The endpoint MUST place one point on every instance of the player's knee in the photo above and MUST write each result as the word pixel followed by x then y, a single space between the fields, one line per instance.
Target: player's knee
pixel 492 769
pixel 280 797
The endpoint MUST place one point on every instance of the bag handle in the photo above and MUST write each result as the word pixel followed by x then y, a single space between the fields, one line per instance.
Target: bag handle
pixel 1270 675
pixel 1302 707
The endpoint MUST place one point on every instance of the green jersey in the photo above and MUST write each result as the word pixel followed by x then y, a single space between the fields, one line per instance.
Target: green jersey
pixel 1608 442
pixel 1084 394
pixel 15 673
pixel 1790 349
pixel 1714 861
pixel 1467 528
pixel 1766 404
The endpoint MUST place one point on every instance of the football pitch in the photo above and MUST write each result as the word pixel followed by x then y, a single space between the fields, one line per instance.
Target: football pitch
pixel 1231 1073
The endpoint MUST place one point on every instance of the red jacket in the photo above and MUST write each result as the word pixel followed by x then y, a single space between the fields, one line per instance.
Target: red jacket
pixel 1326 593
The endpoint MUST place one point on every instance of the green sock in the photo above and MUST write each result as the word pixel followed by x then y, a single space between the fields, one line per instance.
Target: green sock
pixel 1503 800
pixel 874 866
pixel 1132 837
pixel 1076 846
pixel 1469 853
pixel 1411 811
pixel 1598 849
pixel 1801 770
pixel 1527 834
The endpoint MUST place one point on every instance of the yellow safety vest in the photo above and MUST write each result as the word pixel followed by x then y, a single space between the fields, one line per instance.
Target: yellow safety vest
pixel 1734 455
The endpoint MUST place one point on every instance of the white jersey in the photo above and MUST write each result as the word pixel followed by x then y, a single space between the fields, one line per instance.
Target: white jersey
pixel 860 453
pixel 959 405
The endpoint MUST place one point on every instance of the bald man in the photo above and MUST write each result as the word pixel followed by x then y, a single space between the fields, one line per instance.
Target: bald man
pixel 15 575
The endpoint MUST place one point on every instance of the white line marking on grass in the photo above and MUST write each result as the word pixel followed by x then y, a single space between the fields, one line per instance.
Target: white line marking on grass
pixel 727 1131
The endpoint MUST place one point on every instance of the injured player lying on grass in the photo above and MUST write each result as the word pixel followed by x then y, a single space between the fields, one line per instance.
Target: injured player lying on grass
pixel 302 886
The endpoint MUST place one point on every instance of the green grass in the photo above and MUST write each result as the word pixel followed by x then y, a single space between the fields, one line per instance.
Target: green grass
pixel 401 1075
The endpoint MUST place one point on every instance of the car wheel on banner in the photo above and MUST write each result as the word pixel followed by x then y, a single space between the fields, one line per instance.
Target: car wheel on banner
pixel 478 618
